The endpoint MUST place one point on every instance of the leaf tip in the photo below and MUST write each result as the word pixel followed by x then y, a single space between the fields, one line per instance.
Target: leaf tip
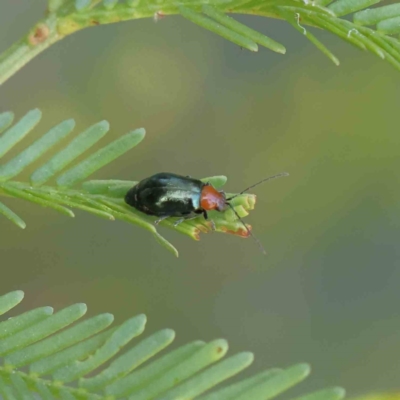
pixel 18 295
pixel 70 123
pixel 13 298
pixel 22 224
pixel 170 334
pixel 6 119
pixel 36 112
pixel 339 392
pixel 48 310
pixel 165 336
pixel 248 356
pixel 253 47
pixel 221 346
pixel 304 368
pixel 140 132
pixel 109 317
pixel 82 308
pixel 104 124
pixel 141 319
pixel 33 116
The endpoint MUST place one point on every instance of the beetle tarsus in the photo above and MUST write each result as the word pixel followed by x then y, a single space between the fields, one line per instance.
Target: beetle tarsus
pixel 213 227
pixel 186 218
pixel 211 222
pixel 157 221
pixel 179 221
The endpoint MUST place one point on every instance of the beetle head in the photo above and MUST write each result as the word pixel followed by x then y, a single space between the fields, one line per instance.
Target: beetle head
pixel 212 199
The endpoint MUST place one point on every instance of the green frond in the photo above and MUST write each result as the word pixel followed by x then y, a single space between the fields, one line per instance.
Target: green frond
pixel 68 16
pixel 293 16
pixel 15 134
pixel 326 394
pixel 103 198
pixel 6 120
pixel 323 14
pixel 219 29
pixel 75 148
pixel 10 300
pixel 65 357
pixel 4 210
pixel 100 158
pixel 241 29
pixel 373 29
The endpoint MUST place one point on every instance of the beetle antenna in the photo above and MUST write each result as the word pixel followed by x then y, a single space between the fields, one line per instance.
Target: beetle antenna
pixel 258 183
pixel 247 229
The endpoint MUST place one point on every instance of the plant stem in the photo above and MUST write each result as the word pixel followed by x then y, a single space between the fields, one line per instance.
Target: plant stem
pixel 43 34
pixel 63 19
pixel 68 16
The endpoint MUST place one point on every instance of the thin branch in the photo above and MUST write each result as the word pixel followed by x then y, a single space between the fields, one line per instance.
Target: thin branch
pixel 68 16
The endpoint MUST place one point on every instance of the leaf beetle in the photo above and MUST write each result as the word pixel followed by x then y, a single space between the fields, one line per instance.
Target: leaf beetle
pixel 167 195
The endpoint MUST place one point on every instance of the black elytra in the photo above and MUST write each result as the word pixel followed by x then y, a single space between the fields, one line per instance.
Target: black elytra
pixel 168 195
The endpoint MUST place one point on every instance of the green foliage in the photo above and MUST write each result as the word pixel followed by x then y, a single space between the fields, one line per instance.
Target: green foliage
pixel 211 15
pixel 370 29
pixel 57 353
pixel 104 198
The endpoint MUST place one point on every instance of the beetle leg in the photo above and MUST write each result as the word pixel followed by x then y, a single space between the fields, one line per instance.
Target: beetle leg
pixel 179 221
pixel 211 221
pixel 212 225
pixel 186 218
pixel 157 221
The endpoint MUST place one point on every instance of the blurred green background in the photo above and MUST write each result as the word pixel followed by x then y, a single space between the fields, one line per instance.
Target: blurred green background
pixel 328 291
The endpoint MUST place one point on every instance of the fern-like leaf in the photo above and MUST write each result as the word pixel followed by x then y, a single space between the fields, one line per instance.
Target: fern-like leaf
pixel 50 356
pixel 104 198
pixel 372 29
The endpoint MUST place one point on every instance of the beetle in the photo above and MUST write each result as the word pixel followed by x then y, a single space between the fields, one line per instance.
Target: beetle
pixel 167 195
